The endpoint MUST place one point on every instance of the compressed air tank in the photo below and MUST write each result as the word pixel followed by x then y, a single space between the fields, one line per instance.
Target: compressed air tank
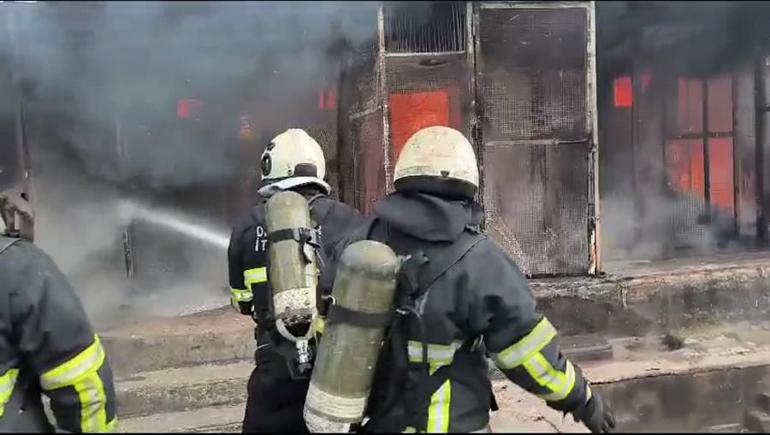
pixel 365 286
pixel 293 273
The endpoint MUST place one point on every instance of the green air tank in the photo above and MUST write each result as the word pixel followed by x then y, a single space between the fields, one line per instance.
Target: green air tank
pixel 347 354
pixel 292 272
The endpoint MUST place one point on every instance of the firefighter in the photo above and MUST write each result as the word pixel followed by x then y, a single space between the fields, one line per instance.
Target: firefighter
pixel 47 345
pixel 460 299
pixel 276 391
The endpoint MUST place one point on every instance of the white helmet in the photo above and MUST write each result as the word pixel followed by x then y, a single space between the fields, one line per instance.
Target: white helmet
pixel 292 159
pixel 439 160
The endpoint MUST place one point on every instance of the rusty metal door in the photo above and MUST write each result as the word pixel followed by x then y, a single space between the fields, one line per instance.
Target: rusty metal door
pixel 536 110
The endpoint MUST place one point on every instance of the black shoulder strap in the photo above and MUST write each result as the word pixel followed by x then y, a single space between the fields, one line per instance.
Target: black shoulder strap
pixel 6 242
pixel 371 234
pixel 441 260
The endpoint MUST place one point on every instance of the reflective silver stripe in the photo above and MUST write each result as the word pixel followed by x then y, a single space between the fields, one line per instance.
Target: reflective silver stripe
pixel 71 371
pixel 7 382
pixel 441 354
pixel 523 349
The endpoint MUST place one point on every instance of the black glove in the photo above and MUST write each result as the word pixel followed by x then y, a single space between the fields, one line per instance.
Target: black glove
pixel 596 415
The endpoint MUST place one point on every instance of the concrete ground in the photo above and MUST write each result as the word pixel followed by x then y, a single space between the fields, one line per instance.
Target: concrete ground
pixel 690 348
pixel 189 374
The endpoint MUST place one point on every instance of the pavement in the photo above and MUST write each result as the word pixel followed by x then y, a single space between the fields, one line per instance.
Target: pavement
pixel 189 375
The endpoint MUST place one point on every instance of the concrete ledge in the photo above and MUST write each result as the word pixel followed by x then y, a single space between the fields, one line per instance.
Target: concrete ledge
pixel 214 336
pixel 644 297
pixel 686 402
pixel 183 389
pixel 706 385
pixel 636 300
pixel 223 419
pixel 702 386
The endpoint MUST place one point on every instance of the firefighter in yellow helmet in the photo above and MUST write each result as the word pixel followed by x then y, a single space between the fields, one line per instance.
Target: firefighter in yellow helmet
pixel 460 298
pixel 47 345
pixel 291 161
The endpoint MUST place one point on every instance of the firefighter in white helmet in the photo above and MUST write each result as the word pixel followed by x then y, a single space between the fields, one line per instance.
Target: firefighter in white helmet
pixel 276 392
pixel 459 299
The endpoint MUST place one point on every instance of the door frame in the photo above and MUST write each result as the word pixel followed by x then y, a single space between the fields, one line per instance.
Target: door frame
pixel 476 133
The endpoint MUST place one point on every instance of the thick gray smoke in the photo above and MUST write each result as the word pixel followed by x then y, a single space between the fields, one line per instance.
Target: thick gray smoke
pixel 122 67
pixel 101 84
pixel 642 215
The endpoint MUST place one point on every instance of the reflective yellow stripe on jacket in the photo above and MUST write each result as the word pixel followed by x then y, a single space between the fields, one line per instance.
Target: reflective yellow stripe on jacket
pixel 81 373
pixel 239 295
pixel 527 353
pixel 7 382
pixel 257 275
pixel 440 401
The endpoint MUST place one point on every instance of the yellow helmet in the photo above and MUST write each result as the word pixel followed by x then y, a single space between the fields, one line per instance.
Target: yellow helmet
pixel 438 160
pixel 292 159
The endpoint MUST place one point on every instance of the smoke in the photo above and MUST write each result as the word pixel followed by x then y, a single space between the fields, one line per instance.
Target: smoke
pixel 644 216
pixel 121 67
pixel 111 155
pixel 675 226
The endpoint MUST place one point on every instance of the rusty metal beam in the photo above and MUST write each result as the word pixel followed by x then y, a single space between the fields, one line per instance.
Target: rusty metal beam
pixel 382 92
pixel 473 47
pixel 594 221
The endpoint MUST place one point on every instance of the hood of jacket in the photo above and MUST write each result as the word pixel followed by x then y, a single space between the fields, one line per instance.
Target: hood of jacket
pixel 428 217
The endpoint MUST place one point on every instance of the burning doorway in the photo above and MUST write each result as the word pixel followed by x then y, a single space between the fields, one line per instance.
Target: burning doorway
pixel 681 152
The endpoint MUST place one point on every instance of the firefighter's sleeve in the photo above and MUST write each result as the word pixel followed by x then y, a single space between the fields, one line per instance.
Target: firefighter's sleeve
pixel 60 347
pixel 240 294
pixel 522 343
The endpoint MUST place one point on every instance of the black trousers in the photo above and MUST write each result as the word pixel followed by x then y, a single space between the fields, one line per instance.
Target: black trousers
pixel 275 401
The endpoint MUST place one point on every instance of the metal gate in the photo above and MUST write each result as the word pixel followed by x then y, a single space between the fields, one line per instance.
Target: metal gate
pixel 536 109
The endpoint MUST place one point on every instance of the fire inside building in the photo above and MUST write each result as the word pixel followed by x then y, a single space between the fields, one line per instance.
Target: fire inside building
pixel 613 131
pixel 623 146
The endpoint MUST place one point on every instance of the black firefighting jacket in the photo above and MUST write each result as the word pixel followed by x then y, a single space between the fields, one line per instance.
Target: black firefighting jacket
pixel 480 307
pixel 48 346
pixel 248 258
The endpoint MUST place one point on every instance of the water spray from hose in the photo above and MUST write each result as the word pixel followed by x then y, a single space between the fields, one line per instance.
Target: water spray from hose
pixel 181 223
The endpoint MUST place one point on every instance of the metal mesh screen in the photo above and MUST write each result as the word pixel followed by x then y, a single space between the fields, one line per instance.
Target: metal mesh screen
pixel 424 27
pixel 362 175
pixel 370 170
pixel 326 136
pixel 536 205
pixel 533 93
pixel 534 79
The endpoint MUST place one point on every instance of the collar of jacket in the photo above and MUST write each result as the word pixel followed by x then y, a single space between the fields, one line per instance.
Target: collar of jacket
pixel 272 188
